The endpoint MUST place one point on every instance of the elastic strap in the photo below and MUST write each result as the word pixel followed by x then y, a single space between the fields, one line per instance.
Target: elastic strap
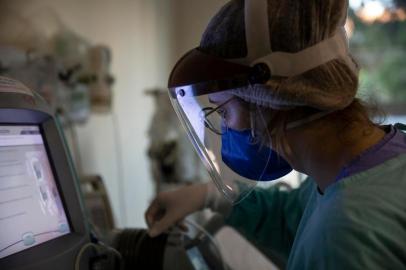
pixel 258 40
pixel 293 64
pixel 306 120
pixel 257 29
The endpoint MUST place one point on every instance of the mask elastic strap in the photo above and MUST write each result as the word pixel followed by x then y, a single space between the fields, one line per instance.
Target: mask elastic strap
pixel 252 121
pixel 307 120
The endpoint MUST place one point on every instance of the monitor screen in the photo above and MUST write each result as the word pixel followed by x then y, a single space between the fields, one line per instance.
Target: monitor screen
pixel 31 209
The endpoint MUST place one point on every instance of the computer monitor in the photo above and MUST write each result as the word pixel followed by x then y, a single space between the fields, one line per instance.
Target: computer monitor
pixel 42 221
pixel 31 209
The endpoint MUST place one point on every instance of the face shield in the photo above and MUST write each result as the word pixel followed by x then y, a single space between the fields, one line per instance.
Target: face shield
pixel 221 126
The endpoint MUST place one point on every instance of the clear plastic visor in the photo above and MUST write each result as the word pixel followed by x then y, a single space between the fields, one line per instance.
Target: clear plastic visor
pixel 218 124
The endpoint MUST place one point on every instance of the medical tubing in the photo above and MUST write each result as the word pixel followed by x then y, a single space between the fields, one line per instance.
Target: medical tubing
pixel 211 238
pixel 81 252
pixel 120 166
pixel 98 245
pixel 114 251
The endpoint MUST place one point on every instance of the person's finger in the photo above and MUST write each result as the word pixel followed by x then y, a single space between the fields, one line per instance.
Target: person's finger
pixel 152 212
pixel 162 225
pixel 182 226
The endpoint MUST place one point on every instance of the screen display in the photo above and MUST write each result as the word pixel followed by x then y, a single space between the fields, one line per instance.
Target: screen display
pixel 31 210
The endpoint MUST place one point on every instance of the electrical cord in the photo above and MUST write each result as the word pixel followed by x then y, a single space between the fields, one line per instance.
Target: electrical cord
pixel 120 166
pixel 74 147
pixel 113 251
pixel 97 244
pixel 95 238
pixel 98 247
pixel 81 252
pixel 211 238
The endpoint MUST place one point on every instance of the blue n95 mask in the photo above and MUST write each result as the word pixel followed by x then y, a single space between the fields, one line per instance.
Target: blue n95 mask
pixel 246 157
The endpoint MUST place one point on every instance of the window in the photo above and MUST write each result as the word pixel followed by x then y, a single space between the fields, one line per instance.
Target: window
pixel 377 30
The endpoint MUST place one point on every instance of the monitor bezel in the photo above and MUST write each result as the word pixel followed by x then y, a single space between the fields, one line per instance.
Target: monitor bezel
pixel 55 176
pixel 48 254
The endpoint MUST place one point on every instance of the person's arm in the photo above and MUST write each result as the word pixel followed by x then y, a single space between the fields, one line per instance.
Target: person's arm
pixel 270 217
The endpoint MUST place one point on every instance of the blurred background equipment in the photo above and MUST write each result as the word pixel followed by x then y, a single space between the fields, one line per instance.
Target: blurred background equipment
pixel 97 203
pixel 70 73
pixel 173 161
pixel 41 51
pixel 98 78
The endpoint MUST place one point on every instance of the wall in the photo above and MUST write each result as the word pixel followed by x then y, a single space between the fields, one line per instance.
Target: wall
pixel 189 19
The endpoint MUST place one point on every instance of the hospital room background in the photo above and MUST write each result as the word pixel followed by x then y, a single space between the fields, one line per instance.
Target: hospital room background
pixel 103 67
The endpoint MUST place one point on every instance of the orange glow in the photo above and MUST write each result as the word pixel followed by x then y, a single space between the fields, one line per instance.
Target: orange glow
pixel 386 17
pixel 396 15
pixel 375 11
pixel 401 14
pixel 349 27
pixel 371 12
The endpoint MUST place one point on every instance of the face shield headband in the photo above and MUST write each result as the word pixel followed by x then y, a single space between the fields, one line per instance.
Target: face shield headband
pixel 205 73
pixel 200 83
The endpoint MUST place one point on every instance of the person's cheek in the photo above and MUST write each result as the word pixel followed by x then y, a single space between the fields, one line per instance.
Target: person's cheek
pixel 283 151
pixel 237 118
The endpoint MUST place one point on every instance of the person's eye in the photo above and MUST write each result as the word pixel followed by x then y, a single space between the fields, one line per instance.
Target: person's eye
pixel 222 112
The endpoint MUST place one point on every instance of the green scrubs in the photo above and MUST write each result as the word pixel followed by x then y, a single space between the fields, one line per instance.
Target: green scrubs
pixel 358 223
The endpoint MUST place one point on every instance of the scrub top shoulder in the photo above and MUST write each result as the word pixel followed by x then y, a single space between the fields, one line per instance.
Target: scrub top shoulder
pixel 359 222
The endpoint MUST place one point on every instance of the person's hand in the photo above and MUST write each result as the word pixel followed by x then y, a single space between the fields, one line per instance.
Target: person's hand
pixel 170 208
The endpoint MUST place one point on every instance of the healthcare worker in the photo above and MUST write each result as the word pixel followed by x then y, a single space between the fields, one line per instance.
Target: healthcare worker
pixel 272 87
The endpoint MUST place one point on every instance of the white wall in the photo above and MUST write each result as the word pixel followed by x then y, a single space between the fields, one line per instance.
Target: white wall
pixel 189 19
